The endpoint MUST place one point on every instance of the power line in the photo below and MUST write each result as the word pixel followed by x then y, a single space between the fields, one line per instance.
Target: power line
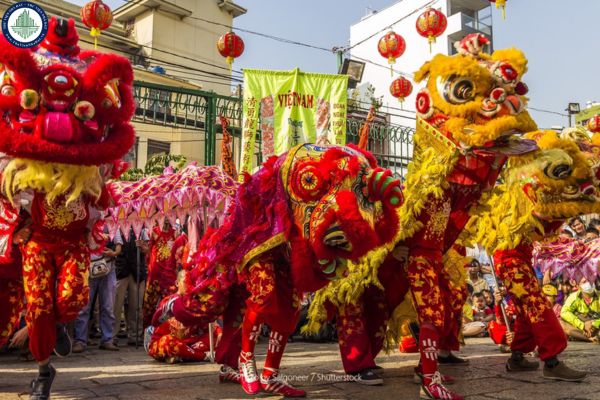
pixel 265 35
pixel 547 111
pixel 187 68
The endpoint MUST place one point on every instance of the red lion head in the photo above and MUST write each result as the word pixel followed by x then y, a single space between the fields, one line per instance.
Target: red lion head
pixel 62 105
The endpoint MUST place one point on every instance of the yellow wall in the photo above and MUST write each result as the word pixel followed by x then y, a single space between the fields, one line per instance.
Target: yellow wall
pixel 188 37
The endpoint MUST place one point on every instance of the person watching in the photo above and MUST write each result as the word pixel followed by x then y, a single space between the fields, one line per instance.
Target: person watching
pixel 581 313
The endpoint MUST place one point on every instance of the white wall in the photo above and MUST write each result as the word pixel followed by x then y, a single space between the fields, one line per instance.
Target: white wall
pixel 417 51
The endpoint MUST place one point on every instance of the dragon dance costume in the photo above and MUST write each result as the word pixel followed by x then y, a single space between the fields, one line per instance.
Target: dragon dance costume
pixel 66 124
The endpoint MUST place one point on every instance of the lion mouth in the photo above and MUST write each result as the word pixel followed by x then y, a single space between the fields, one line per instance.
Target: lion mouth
pixel 510 144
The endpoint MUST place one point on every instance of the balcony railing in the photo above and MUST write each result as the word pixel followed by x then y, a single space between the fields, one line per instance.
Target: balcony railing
pixel 461 24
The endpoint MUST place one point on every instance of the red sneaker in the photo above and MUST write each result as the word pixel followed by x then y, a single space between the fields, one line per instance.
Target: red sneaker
pixel 228 375
pixel 275 384
pixel 418 377
pixel 248 376
pixel 435 389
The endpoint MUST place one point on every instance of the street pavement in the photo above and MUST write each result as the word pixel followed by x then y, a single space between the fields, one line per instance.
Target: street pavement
pixel 131 375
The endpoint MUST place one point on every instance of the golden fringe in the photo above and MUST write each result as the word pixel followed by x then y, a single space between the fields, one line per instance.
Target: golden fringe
pixel 426 178
pixel 54 179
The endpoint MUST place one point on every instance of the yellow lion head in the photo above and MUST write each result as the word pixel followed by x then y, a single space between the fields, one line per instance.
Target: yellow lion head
pixel 475 98
pixel 560 178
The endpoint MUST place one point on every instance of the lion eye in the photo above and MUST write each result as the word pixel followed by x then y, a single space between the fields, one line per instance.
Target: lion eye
pixel 560 171
pixel 458 90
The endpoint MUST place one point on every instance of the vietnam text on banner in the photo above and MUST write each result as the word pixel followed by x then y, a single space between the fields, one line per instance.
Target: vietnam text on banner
pixel 291 107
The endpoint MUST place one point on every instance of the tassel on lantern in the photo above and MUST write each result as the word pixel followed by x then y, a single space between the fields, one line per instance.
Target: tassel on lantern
pixel 502 4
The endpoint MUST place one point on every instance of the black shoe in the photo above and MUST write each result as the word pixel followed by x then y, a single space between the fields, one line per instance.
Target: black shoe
pixel 368 377
pixel 63 345
pixel 40 387
pixel 452 360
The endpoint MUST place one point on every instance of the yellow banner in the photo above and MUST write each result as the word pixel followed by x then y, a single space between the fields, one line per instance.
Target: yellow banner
pixel 289 108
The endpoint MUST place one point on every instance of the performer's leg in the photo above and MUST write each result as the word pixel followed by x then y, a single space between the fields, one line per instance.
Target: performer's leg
pixel 72 291
pixel 377 315
pixel 152 296
pixel 11 299
pixel 39 280
pixel 227 351
pixel 522 285
pixel 523 343
pixel 456 297
pixel 353 338
pixel 272 301
pixel 39 283
pixel 247 363
pixel 424 268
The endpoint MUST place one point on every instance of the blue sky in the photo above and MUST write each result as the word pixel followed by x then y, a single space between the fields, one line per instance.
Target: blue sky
pixel 558 36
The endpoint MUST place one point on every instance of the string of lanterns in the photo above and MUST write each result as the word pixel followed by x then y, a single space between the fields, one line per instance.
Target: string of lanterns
pixel 430 24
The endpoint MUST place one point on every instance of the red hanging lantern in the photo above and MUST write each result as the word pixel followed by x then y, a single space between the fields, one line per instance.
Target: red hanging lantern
pixel 431 24
pixel 401 88
pixel 230 46
pixel 97 16
pixel 593 124
pixel 391 46
pixel 500 4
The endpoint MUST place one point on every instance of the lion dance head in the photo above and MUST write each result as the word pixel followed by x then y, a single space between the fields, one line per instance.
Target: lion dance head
pixel 560 180
pixel 65 112
pixel 323 205
pixel 475 99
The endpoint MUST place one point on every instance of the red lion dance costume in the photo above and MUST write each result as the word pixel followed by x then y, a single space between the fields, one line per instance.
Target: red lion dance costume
pixel 292 228
pixel 65 124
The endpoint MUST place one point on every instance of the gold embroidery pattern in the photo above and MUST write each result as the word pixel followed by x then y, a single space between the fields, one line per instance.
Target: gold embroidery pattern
pixel 438 221
pixel 59 216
